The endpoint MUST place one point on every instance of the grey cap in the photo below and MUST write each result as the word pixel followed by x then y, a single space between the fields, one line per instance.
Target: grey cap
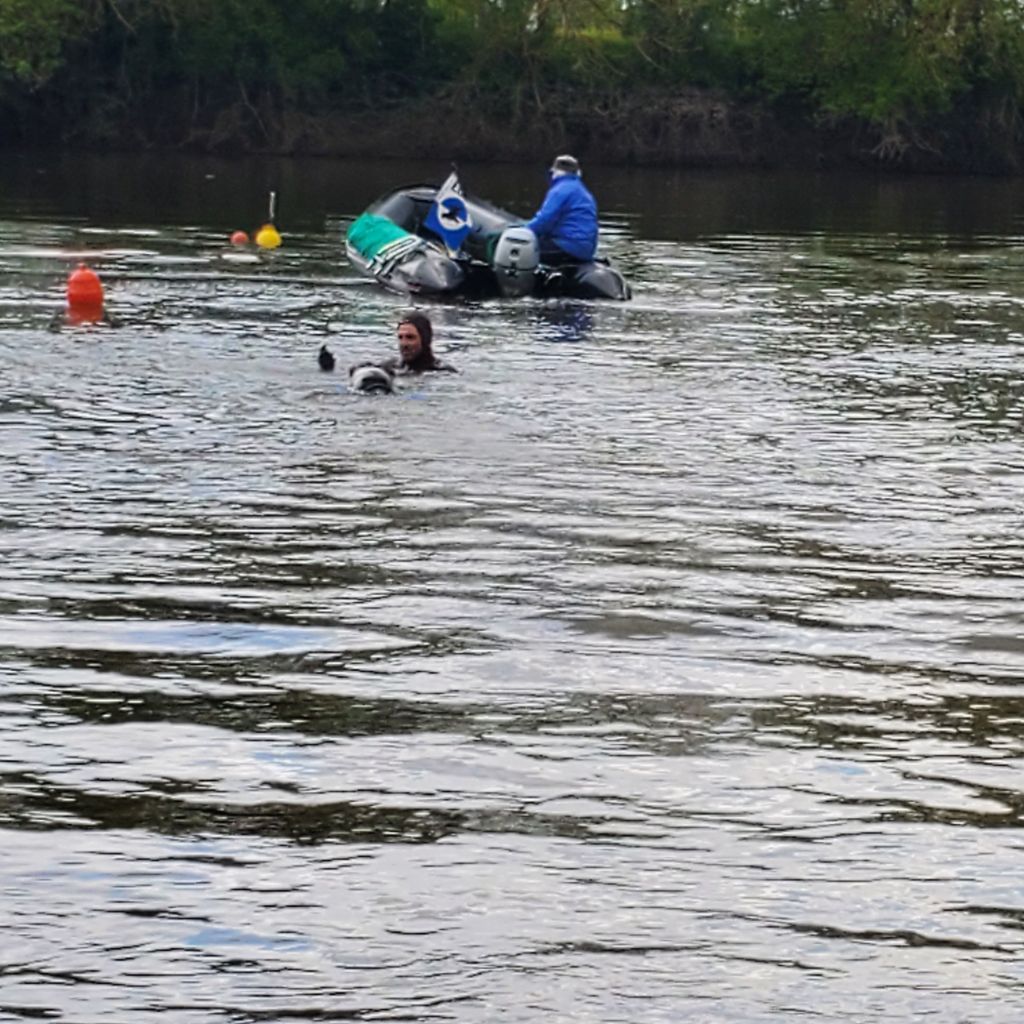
pixel 566 164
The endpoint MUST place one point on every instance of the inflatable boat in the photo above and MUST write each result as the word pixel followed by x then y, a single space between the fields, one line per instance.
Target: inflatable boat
pixel 402 242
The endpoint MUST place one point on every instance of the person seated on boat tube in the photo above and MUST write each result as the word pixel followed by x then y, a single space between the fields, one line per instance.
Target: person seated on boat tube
pixel 415 350
pixel 566 223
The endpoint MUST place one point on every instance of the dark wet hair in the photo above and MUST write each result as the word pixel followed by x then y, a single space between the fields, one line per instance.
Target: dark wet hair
pixel 425 360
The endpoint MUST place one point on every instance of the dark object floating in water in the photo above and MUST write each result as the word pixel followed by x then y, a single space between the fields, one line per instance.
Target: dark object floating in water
pixel 326 359
pixel 391 243
pixel 371 380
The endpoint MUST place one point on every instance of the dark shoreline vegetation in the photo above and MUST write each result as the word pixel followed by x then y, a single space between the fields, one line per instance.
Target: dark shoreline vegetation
pixel 915 85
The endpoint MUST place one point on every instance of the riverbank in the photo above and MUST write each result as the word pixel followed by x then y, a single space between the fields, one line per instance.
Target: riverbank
pixel 682 128
pixel 685 128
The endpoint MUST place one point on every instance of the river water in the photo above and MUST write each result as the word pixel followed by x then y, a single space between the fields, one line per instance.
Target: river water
pixel 663 665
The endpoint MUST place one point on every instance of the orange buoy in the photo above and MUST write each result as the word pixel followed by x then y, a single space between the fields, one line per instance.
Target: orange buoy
pixel 239 238
pixel 85 291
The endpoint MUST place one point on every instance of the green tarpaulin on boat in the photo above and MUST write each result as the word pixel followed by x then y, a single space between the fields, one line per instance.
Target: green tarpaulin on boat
pixel 370 233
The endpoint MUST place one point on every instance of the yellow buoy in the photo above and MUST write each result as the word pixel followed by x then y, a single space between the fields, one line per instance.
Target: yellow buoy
pixel 267 237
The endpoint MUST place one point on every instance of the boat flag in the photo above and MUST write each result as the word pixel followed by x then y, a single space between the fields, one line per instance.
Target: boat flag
pixel 449 216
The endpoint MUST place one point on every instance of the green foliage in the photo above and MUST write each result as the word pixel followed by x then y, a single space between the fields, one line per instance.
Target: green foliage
pixel 881 61
pixel 305 52
pixel 33 35
pixel 696 42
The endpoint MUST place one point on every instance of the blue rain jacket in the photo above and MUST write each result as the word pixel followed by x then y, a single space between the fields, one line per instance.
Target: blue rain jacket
pixel 567 218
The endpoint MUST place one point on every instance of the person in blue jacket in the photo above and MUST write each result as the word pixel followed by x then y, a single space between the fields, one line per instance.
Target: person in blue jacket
pixel 566 223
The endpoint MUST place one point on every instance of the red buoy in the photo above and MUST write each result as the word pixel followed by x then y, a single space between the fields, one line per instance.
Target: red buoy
pixel 85 292
pixel 239 238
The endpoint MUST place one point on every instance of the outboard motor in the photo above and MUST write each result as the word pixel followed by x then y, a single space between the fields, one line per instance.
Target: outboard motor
pixel 371 380
pixel 515 261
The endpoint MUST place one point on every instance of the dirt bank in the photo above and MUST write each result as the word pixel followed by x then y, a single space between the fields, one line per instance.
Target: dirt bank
pixel 689 128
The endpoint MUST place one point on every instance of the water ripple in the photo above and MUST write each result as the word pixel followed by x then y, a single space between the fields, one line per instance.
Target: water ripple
pixel 664 663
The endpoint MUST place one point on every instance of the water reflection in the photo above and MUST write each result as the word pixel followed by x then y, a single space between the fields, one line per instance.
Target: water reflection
pixel 565 321
pixel 662 663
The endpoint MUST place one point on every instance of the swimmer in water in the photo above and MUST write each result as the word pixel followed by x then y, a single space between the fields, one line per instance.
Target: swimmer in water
pixel 415 347
pixel 415 356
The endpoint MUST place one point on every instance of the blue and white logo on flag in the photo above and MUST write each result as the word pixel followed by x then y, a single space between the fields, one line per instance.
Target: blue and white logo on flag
pixel 449 216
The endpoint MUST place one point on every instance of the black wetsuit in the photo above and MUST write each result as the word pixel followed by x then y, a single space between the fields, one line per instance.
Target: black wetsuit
pixel 397 368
